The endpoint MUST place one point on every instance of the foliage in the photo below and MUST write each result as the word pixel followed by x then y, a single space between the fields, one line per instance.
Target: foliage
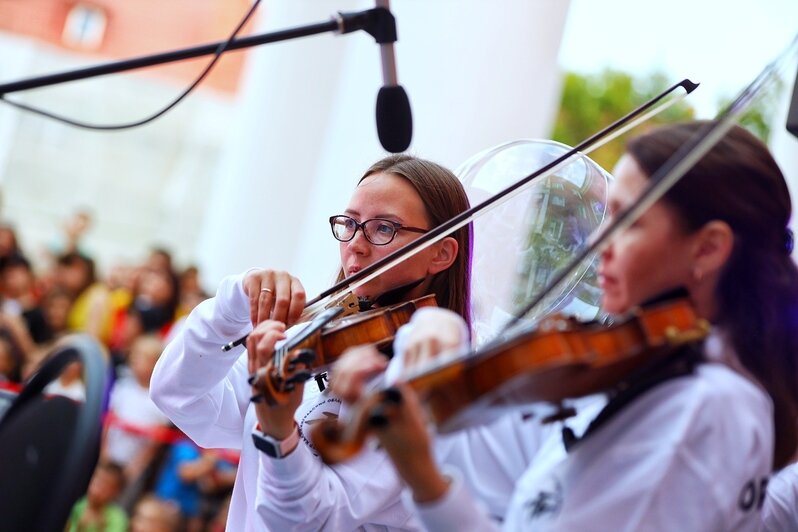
pixel 591 102
pixel 758 118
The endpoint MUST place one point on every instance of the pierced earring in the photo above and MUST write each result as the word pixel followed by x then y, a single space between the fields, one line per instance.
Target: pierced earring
pixel 698 275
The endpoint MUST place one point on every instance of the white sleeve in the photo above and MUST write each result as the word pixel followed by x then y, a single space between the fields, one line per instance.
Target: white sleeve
pixel 491 458
pixel 780 512
pixel 691 454
pixel 201 388
pixel 299 492
pixel 393 372
pixel 456 510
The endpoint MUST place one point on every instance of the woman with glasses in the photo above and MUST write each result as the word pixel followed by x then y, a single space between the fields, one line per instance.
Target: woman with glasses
pixel 281 484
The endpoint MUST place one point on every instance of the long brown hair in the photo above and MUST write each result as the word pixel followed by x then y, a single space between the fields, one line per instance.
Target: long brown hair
pixel 443 197
pixel 739 182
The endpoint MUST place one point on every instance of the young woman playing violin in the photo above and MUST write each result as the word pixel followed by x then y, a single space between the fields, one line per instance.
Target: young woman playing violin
pixel 693 451
pixel 205 391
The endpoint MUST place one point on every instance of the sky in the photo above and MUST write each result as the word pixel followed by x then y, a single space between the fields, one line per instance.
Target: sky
pixel 722 44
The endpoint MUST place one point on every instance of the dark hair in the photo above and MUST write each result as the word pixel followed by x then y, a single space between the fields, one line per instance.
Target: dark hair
pixel 163 253
pixel 14 260
pixel 75 258
pixel 739 182
pixel 115 470
pixel 443 197
pixel 153 317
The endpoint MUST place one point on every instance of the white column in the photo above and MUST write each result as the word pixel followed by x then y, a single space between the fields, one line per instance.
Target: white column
pixel 268 167
pixel 477 74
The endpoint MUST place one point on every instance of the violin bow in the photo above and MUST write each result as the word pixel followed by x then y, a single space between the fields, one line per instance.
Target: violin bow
pixel 620 126
pixel 642 113
pixel 670 173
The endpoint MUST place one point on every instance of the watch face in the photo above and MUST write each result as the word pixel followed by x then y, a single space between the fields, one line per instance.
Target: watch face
pixel 266 446
pixel 275 448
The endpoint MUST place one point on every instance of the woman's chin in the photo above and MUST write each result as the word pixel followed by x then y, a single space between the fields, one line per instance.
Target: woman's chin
pixel 613 305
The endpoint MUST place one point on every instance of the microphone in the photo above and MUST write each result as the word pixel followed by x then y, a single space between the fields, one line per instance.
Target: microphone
pixel 394 119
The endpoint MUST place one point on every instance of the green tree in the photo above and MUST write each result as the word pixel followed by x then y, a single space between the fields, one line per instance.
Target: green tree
pixel 590 102
pixel 759 116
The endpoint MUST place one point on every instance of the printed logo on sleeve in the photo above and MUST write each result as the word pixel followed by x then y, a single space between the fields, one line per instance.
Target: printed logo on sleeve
pixel 547 502
pixel 752 496
pixel 316 414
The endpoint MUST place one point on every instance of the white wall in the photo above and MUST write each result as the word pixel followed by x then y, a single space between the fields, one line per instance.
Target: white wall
pixel 477 74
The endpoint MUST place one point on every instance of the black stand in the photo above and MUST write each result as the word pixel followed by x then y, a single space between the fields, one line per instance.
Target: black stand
pixel 50 445
pixel 792 114
pixel 378 22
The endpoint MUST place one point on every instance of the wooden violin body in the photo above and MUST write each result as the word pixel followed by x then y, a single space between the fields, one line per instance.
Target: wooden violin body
pixel 377 326
pixel 559 359
pixel 323 346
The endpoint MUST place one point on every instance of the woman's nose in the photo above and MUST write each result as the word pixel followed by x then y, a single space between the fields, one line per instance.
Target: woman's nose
pixel 606 253
pixel 359 244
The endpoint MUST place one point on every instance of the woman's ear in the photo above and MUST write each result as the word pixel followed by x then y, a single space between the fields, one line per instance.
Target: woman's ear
pixel 444 255
pixel 714 245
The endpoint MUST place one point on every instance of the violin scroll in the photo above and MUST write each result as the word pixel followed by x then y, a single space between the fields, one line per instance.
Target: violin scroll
pixel 323 340
pixel 275 384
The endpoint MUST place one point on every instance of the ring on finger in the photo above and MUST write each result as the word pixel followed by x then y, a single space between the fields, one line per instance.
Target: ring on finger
pixel 268 290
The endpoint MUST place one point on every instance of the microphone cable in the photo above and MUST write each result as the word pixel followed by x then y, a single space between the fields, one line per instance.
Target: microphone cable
pixel 117 127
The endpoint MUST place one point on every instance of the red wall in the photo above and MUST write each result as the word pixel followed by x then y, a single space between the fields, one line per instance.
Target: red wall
pixel 140 27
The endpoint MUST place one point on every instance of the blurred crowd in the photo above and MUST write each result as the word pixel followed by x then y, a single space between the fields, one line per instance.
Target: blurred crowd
pixel 150 477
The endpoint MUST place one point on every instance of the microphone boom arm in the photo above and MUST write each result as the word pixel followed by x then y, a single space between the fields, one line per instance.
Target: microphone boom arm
pixel 378 22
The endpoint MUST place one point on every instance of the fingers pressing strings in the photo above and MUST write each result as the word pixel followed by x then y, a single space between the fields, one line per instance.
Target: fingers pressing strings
pixel 274 295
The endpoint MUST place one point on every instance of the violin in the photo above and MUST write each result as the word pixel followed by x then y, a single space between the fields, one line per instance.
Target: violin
pixel 322 341
pixel 559 359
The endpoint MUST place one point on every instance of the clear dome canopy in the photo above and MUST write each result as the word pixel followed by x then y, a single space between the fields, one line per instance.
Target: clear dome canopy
pixel 520 244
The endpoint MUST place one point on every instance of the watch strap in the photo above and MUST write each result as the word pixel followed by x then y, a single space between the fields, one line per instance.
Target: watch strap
pixel 273 447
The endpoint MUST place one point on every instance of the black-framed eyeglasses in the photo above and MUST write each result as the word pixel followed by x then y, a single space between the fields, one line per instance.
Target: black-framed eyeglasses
pixel 376 230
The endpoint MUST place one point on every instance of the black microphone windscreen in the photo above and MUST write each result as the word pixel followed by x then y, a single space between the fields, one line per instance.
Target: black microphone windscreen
pixel 394 120
pixel 792 114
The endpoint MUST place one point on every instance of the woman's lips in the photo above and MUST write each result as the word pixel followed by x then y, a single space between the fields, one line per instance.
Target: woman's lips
pixel 605 281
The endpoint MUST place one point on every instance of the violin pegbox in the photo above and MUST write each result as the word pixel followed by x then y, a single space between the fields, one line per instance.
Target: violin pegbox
pixel 279 377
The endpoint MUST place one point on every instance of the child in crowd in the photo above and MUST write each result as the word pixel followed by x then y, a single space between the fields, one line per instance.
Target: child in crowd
pixel 154 515
pixel 97 510
pixel 133 416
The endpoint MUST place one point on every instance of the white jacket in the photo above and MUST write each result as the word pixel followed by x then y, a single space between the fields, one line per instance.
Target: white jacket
pixel 692 454
pixel 204 391
pixel 781 505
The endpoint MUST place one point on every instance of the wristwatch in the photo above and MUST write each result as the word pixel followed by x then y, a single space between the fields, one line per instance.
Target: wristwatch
pixel 273 447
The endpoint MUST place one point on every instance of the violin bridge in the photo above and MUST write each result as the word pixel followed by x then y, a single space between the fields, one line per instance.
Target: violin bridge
pixel 350 304
pixel 681 337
